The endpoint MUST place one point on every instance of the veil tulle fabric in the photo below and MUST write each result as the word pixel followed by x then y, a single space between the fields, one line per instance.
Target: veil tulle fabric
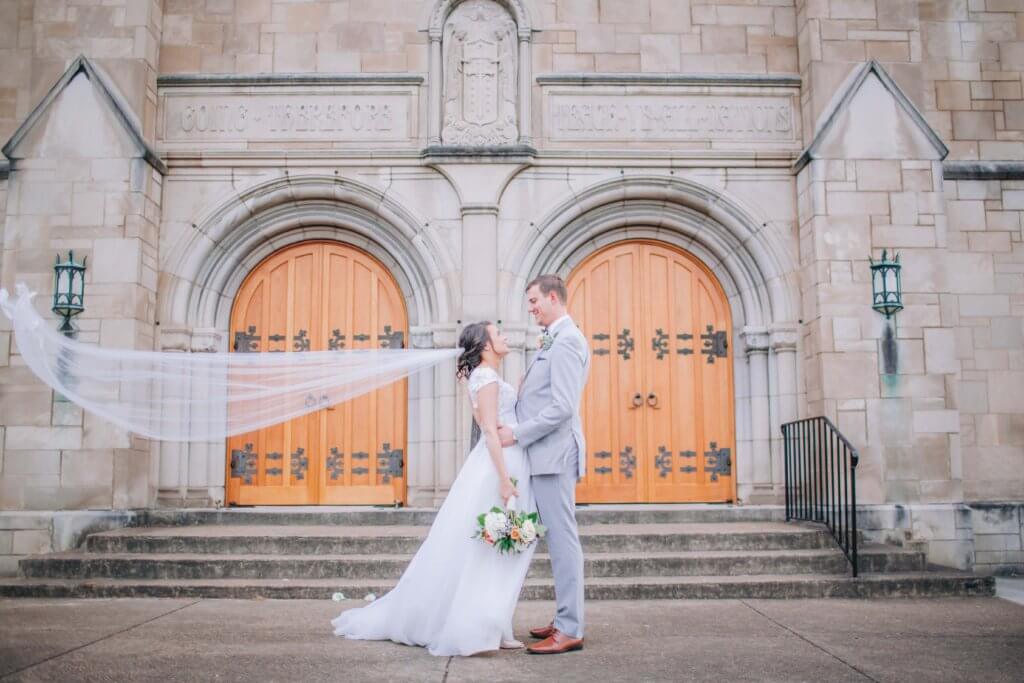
pixel 175 396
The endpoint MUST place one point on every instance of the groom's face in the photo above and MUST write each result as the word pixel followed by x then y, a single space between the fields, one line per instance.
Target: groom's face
pixel 541 306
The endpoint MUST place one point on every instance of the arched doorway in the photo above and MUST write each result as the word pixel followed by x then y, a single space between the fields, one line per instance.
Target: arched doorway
pixel 658 409
pixel 321 296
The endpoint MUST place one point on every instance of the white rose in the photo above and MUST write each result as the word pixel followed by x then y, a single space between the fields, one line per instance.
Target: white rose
pixel 529 531
pixel 495 523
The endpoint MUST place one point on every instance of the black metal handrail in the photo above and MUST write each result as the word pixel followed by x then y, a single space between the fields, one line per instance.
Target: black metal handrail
pixel 821 479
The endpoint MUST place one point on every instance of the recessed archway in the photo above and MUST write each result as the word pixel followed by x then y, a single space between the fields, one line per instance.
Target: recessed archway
pixel 202 273
pixel 747 256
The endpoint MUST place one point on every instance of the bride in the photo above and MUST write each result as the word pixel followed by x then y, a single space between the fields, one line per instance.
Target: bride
pixel 458 594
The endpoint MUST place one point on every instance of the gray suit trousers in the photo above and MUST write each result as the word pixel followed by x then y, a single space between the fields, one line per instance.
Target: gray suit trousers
pixel 556 501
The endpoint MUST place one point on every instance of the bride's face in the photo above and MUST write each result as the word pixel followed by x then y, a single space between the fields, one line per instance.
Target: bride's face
pixel 499 343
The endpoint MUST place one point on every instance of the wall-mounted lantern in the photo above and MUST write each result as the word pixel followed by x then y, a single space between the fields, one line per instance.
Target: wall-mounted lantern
pixel 68 290
pixel 887 294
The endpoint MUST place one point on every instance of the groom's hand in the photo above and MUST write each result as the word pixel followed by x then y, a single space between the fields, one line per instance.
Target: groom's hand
pixel 506 436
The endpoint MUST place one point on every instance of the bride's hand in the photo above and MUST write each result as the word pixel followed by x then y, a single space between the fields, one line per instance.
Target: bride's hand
pixel 508 490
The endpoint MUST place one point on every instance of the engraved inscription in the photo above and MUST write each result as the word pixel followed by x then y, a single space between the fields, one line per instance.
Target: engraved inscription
pixel 670 117
pixel 197 117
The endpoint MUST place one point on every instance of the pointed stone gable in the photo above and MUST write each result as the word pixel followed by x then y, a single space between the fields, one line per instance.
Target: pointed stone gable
pixel 871 118
pixel 82 115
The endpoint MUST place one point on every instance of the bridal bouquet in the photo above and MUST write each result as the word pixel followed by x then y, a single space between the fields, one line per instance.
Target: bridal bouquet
pixel 509 530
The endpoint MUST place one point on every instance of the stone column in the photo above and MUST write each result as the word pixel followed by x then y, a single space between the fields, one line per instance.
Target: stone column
pixel 479 256
pixel 447 441
pixel 191 473
pixel 421 447
pixel 525 89
pixel 435 89
pixel 784 393
pixel 755 340
pixel 514 364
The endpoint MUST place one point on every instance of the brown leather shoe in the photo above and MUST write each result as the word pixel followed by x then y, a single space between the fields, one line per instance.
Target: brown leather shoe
pixel 542 632
pixel 555 644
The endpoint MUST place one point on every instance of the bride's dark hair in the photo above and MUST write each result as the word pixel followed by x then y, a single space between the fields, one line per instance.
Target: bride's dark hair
pixel 473 340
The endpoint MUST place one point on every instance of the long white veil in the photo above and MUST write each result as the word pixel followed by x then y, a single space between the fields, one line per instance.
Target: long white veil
pixel 175 396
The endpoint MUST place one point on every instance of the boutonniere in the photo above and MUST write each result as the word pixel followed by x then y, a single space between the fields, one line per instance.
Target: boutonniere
pixel 544 341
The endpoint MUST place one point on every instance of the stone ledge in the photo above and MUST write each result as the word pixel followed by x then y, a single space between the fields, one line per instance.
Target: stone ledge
pixel 983 170
pixel 231 80
pixel 437 154
pixel 772 80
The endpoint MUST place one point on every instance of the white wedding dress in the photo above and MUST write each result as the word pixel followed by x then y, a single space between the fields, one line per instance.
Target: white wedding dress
pixel 458 594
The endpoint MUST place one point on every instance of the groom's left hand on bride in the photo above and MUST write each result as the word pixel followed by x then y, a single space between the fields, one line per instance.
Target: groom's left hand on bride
pixel 506 436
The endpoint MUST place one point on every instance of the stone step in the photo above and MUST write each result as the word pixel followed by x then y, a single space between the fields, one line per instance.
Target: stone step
pixel 379 566
pixel 392 539
pixel 377 516
pixel 911 585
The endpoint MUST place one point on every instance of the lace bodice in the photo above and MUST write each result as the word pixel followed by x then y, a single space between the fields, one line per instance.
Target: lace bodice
pixel 481 377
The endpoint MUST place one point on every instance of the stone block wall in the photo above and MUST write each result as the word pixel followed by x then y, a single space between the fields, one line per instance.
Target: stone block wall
pixel 82 186
pixel 25 533
pixel 960 61
pixel 983 312
pixel 882 382
pixel 693 36
pixel 998 538
pixel 984 537
pixel 39 38
pixel 973 53
pixel 946 425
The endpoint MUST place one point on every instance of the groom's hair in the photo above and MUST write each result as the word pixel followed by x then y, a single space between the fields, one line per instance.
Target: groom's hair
pixel 550 283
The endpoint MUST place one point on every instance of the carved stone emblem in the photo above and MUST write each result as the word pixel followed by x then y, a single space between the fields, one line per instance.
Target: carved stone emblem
pixel 479 76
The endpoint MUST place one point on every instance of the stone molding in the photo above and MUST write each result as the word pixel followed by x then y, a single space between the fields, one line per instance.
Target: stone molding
pixel 507 154
pixel 479 209
pixel 844 96
pixel 443 8
pixel 726 235
pixel 783 338
pixel 284 79
pixel 108 92
pixel 983 170
pixel 761 80
pixel 210 262
pixel 755 339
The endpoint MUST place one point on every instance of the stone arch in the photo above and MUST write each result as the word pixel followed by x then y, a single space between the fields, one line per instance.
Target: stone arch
pixel 748 260
pixel 210 264
pixel 442 8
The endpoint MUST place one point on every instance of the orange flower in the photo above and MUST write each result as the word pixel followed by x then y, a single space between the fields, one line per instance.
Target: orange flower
pixel 515 534
pixel 488 539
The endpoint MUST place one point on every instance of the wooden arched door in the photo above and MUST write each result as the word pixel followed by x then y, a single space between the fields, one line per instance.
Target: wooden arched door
pixel 658 409
pixel 322 296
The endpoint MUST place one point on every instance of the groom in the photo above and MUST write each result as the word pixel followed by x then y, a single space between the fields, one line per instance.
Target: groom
pixel 551 433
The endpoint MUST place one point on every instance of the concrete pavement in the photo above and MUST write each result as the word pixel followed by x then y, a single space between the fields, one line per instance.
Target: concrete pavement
pixel 716 640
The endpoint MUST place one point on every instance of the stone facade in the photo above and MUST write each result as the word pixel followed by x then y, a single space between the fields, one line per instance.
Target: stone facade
pixel 783 142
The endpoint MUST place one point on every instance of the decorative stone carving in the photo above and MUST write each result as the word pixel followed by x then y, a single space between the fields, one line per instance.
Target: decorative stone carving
pixel 480 44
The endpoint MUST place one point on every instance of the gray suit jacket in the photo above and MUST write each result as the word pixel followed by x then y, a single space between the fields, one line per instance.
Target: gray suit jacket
pixel 550 428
